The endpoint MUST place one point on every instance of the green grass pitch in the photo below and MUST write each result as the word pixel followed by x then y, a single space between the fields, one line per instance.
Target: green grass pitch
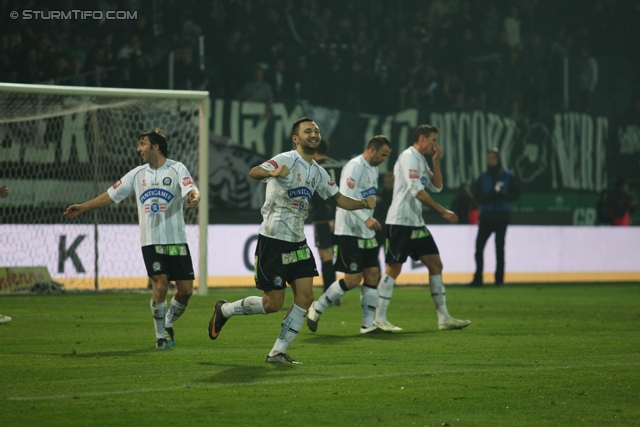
pixel 535 355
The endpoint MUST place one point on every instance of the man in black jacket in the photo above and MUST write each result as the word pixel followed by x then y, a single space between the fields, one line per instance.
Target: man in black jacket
pixel 494 191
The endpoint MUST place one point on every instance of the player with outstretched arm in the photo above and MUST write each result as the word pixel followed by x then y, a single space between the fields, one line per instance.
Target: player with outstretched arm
pixel 282 255
pixel 161 186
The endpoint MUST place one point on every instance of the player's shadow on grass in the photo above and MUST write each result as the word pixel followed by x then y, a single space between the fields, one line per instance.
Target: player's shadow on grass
pixel 125 353
pixel 338 339
pixel 250 374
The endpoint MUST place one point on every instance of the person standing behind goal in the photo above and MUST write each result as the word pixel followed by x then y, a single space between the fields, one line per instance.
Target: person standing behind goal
pixel 357 254
pixel 406 233
pixel 282 255
pixel 160 185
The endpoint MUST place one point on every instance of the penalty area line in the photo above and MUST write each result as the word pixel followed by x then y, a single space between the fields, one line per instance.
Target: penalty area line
pixel 310 380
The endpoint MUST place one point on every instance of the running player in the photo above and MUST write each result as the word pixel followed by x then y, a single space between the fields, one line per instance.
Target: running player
pixel 282 254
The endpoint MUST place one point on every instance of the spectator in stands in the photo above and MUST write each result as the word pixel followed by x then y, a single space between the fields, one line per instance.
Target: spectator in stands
pixel 132 49
pixel 257 89
pixel 587 79
pixel 188 75
pixel 76 77
pixel 280 81
pixel 98 69
pixel 621 204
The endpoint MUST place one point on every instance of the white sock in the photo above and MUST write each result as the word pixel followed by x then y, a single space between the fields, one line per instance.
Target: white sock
pixel 439 297
pixel 290 327
pixel 246 306
pixel 385 290
pixel 175 311
pixel 333 293
pixel 158 310
pixel 369 302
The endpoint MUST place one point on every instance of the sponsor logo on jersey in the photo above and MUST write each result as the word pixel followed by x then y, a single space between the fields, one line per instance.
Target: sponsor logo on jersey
pixel 300 204
pixel 117 184
pixel 369 192
pixel 299 192
pixel 351 183
pixel 187 180
pixel 272 163
pixel 156 192
pixel 423 180
pixel 155 207
pixel 166 181
pixel 413 174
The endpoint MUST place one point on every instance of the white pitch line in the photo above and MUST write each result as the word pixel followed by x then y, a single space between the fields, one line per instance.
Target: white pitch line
pixel 309 380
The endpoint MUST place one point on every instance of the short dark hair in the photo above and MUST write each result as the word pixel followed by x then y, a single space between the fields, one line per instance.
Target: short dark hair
pixel 323 147
pixel 157 137
pixel 296 124
pixel 425 130
pixel 378 142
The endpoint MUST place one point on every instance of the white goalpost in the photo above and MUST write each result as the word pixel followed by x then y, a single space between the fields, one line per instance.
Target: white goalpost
pixel 62 145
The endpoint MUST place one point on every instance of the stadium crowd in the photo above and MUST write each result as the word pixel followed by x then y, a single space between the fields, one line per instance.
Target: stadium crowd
pixel 369 56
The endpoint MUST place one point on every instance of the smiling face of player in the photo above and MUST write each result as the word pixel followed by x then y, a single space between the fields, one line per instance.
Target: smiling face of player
pixel 308 138
pixel 148 152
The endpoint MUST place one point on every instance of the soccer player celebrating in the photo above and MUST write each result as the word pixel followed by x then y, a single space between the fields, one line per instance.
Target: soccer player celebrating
pixel 406 233
pixel 357 254
pixel 160 185
pixel 282 254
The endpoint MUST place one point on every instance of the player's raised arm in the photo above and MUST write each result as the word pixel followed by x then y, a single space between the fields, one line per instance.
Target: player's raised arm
pixel 101 201
pixel 259 172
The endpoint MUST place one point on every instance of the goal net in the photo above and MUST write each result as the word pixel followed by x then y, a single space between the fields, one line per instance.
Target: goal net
pixel 64 145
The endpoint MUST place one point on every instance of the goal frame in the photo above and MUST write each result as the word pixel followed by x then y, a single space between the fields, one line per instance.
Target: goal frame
pixel 204 115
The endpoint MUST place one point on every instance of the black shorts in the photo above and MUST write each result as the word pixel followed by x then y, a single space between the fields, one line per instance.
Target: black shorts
pixel 355 254
pixel 172 260
pixel 404 241
pixel 278 262
pixel 323 235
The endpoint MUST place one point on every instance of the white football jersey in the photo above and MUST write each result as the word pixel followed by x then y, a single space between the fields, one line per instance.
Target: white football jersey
pixel 411 174
pixel 358 180
pixel 159 193
pixel 287 199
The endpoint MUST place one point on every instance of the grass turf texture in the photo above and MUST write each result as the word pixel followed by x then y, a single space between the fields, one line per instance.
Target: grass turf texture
pixel 534 355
